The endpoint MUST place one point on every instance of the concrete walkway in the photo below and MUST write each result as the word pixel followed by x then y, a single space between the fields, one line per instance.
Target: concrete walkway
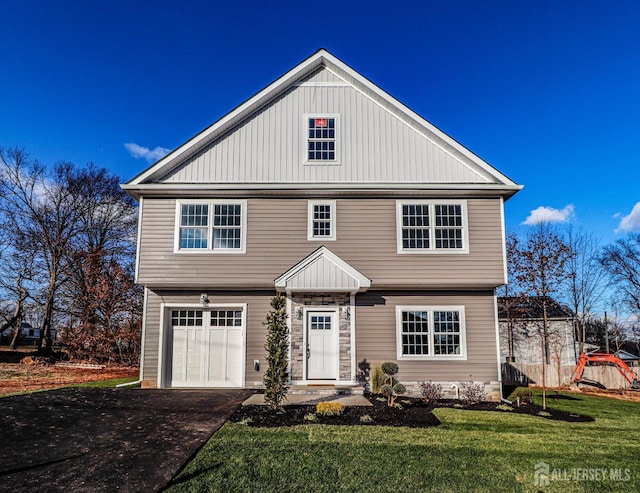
pixel 312 399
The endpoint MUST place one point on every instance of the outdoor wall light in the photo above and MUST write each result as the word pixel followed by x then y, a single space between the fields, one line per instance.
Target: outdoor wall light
pixel 204 299
pixel 346 313
pixel 299 312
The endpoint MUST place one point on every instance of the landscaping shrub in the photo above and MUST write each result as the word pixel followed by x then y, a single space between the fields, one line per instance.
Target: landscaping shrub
pixel 329 408
pixel 472 393
pixel 431 391
pixel 392 388
pixel 377 379
pixel 504 407
pixel 276 376
pixel 522 396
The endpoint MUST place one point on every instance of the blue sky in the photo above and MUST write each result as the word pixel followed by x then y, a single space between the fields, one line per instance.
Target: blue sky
pixel 546 91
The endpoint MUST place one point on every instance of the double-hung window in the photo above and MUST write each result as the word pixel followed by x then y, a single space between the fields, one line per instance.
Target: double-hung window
pixel 321 138
pixel 211 226
pixel 321 218
pixel 431 332
pixel 425 226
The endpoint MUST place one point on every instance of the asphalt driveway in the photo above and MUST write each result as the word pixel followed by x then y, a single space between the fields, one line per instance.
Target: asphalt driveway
pixel 128 440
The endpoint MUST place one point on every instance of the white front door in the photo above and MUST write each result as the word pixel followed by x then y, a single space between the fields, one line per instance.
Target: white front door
pixel 322 345
pixel 207 347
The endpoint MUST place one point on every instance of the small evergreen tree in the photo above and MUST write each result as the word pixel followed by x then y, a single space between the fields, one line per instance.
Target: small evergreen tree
pixel 276 376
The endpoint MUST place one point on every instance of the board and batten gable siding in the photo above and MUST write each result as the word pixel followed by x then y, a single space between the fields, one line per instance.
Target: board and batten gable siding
pixel 374 144
pixel 258 305
pixel 376 335
pixel 277 240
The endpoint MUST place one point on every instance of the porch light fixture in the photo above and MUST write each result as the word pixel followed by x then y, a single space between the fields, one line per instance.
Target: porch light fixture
pixel 346 313
pixel 299 312
pixel 204 299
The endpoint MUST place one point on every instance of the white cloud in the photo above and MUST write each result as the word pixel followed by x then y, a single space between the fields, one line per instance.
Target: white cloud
pixel 151 155
pixel 550 215
pixel 631 222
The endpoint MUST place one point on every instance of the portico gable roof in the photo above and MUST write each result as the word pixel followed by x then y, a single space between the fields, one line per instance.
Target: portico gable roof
pixel 322 271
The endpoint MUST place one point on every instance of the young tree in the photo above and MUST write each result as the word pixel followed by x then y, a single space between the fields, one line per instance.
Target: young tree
pixel 540 263
pixel 277 346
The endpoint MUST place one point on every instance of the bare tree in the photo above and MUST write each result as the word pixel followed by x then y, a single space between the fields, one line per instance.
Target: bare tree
pixel 101 295
pixel 77 228
pixel 512 300
pixel 622 262
pixel 43 211
pixel 587 281
pixel 540 265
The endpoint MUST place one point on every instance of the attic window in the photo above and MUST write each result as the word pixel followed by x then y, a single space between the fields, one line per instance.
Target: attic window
pixel 321 138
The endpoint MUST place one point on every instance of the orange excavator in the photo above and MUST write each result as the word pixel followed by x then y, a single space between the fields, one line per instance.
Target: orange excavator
pixel 603 359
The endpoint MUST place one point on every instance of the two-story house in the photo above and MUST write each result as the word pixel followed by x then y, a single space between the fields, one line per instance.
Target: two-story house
pixel 385 235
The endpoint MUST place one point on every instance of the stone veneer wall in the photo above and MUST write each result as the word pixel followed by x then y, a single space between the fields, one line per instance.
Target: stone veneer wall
pixel 319 300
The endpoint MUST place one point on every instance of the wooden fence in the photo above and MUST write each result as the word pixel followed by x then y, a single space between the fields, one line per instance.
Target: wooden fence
pixel 522 375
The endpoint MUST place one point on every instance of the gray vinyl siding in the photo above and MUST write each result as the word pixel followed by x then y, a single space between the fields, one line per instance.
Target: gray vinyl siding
pixel 277 240
pixel 258 305
pixel 374 144
pixel 376 335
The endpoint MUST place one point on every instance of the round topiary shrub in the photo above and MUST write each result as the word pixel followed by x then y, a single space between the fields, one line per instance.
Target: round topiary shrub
pixel 390 369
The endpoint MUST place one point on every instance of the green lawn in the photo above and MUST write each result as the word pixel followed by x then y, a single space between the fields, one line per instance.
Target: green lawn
pixel 470 451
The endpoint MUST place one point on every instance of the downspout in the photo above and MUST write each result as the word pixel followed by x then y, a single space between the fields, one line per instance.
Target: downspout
pixel 128 384
pixel 505 270
pixel 495 309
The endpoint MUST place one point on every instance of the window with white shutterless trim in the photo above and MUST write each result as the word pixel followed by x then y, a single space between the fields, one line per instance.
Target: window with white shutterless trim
pixel 431 332
pixel 213 226
pixel 321 219
pixel 432 226
pixel 321 131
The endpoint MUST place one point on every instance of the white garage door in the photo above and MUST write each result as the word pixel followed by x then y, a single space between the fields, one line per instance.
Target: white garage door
pixel 207 347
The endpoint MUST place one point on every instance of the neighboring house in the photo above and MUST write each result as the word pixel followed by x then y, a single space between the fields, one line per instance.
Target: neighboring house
pixel 629 358
pixel 521 329
pixel 385 235
pixel 28 334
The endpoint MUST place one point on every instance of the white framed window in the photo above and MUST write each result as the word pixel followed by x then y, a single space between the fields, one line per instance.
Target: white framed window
pixel 432 226
pixel 214 226
pixel 431 332
pixel 321 219
pixel 322 138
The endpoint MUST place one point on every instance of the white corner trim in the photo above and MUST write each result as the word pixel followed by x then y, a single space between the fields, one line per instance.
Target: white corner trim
pixel 352 348
pixel 143 337
pixel 504 242
pixel 137 266
pixel 161 346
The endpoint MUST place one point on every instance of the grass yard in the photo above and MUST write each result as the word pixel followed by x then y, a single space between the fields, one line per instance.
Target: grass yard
pixel 16 378
pixel 470 451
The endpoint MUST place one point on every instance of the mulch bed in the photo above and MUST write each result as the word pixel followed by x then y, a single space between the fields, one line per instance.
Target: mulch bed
pixel 412 413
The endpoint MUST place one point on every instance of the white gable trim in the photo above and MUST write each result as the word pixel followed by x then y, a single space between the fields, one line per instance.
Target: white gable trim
pixel 322 59
pixel 357 281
